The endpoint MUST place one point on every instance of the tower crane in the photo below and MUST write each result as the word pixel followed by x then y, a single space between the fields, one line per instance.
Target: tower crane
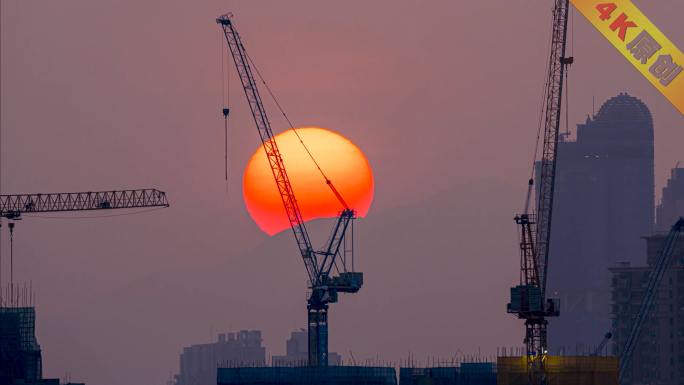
pixel 528 300
pixel 13 206
pixel 319 263
pixel 651 282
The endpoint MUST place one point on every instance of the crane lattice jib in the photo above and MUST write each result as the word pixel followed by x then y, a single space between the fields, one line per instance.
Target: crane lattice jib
pixel 270 147
pixel 656 277
pixel 332 247
pixel 14 205
pixel 554 92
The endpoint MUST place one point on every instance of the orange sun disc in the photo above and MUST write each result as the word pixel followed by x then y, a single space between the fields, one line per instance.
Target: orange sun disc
pixel 341 161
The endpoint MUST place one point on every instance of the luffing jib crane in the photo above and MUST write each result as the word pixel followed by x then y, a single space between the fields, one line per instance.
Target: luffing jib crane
pixel 528 300
pixel 319 264
pixel 651 282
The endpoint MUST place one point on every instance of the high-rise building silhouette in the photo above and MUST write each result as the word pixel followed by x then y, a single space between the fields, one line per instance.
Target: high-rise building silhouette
pixel 671 205
pixel 656 355
pixel 604 204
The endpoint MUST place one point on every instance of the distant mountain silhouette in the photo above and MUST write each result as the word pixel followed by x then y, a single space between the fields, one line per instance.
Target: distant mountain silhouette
pixel 437 275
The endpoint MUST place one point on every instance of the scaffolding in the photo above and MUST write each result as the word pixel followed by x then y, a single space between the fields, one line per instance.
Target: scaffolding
pixel 563 370
pixel 19 350
pixel 308 375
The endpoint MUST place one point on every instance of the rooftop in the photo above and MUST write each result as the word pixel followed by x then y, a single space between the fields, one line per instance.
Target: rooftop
pixel 624 109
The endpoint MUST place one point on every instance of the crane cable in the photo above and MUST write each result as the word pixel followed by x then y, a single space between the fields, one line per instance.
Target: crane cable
pixel 1 299
pixel 95 216
pixel 226 107
pixel 327 181
pixel 567 83
pixel 544 96
pixel 541 110
pixel 539 127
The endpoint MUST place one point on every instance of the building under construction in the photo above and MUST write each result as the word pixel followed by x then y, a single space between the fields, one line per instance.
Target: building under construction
pixel 19 351
pixel 308 375
pixel 467 373
pixel 21 360
pixel 562 370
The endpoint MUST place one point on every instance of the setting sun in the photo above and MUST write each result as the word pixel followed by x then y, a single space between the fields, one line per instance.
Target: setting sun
pixel 342 162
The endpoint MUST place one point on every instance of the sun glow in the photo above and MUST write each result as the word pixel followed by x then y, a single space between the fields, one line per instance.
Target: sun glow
pixel 342 162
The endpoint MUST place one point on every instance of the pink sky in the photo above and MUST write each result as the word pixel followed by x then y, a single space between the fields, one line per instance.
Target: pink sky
pixel 125 94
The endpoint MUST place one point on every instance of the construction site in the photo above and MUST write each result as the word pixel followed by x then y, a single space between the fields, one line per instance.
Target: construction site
pixel 601 301
pixel 21 356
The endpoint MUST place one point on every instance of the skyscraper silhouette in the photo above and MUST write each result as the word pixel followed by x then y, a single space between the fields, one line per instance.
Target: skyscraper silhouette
pixel 604 204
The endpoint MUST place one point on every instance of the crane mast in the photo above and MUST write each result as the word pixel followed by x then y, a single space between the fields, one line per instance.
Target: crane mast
pixel 319 264
pixel 528 300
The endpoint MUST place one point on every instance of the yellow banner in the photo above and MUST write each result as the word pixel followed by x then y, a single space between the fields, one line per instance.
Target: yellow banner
pixel 641 43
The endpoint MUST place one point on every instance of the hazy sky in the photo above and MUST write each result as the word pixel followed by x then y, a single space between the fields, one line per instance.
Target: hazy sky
pixel 127 94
